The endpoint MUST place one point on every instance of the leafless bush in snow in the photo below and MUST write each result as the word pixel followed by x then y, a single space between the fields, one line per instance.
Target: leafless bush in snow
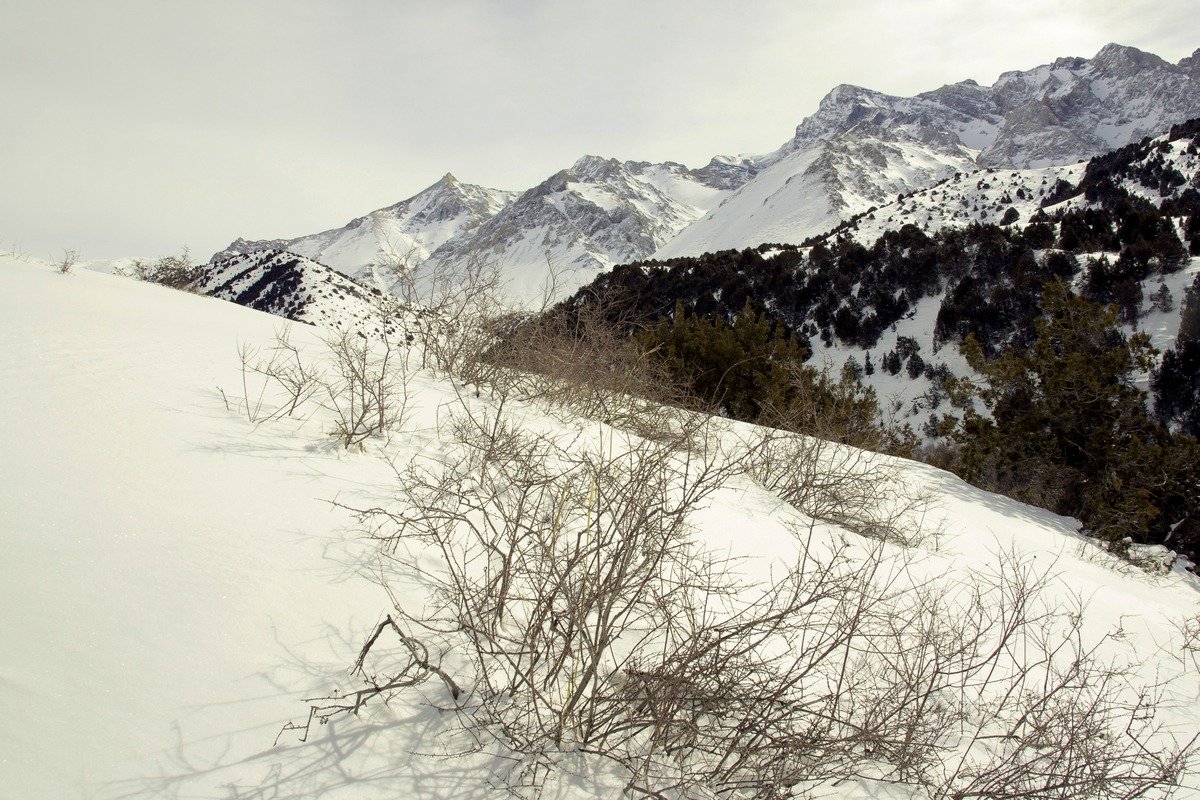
pixel 367 386
pixel 69 260
pixel 583 362
pixel 1189 631
pixel 176 272
pixel 361 380
pixel 456 312
pixel 570 609
pixel 859 490
pixel 276 381
pixel 1064 720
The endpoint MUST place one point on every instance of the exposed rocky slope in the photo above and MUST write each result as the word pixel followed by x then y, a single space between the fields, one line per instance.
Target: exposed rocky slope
pixel 295 287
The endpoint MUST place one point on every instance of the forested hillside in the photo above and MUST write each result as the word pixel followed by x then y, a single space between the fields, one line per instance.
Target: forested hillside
pixel 1028 346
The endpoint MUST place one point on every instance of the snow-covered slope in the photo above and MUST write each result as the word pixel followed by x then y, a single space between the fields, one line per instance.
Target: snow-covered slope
pixel 294 287
pixel 402 234
pixel 981 196
pixel 862 147
pixel 175 583
pixel 810 189
pixel 986 196
pixel 583 220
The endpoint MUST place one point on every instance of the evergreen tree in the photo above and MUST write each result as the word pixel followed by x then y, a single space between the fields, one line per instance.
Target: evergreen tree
pixel 737 367
pixel 1176 381
pixel 1069 429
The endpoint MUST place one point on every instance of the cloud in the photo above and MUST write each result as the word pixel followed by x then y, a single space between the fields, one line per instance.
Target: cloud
pixel 139 125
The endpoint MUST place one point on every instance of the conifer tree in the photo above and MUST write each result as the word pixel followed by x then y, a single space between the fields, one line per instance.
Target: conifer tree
pixel 1069 429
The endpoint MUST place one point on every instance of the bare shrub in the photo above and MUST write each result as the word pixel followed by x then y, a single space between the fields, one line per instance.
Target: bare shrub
pixel 366 388
pixel 458 312
pixel 1065 720
pixel 278 377
pixel 813 459
pixel 69 260
pixel 584 362
pixel 940 454
pixel 361 380
pixel 568 608
pixel 861 491
pixel 176 272
pixel 580 359
pixel 554 588
pixel 1189 631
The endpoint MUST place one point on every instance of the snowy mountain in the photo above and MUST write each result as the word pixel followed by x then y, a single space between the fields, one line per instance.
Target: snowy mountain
pixel 402 234
pixel 808 188
pixel 1162 168
pixel 585 219
pixel 914 275
pixel 862 148
pixel 294 287
pixel 577 222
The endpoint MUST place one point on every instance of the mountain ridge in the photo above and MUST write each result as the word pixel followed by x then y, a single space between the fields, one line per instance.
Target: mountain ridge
pixel 860 148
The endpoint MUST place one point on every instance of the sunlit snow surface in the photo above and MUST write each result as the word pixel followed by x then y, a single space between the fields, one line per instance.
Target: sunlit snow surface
pixel 176 582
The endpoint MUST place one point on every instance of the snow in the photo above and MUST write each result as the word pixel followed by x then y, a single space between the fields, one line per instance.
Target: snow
pixel 596 194
pixel 746 218
pixel 901 398
pixel 682 189
pixel 978 134
pixel 169 569
pixel 176 581
pixel 811 189
pixel 979 195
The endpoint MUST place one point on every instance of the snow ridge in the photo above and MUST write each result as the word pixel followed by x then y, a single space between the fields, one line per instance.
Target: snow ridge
pixel 289 285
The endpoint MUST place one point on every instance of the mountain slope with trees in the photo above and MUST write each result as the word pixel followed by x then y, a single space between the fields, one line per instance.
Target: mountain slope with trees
pixel 973 322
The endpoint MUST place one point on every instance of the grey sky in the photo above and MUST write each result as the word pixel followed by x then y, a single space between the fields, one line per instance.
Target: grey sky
pixel 132 127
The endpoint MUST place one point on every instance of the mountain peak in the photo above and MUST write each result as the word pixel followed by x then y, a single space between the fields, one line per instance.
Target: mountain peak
pixel 1069 62
pixel 594 167
pixel 844 105
pixel 860 148
pixel 1125 58
pixel 1191 63
pixel 845 93
pixel 591 162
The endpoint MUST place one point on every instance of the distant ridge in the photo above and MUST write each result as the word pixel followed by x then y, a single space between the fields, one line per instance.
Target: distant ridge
pixel 861 148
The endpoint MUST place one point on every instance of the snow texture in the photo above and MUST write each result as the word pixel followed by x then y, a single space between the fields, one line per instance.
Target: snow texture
pixel 176 581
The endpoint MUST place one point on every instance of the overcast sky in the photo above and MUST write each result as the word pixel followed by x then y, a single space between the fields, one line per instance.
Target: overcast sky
pixel 132 127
